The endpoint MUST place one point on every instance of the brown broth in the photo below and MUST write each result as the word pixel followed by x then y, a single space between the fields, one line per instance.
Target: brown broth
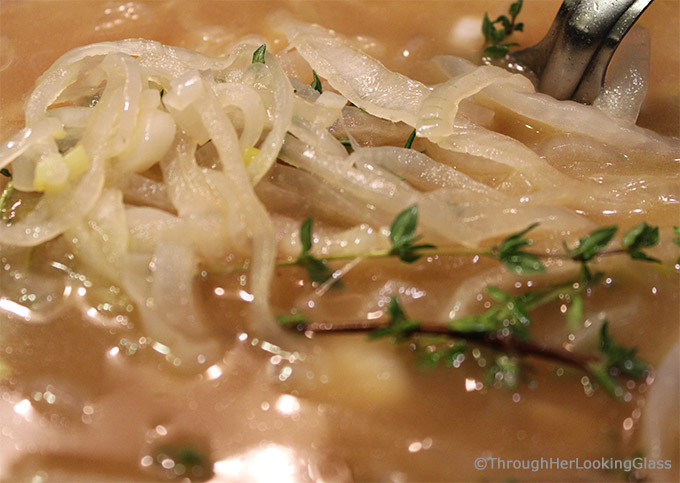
pixel 86 402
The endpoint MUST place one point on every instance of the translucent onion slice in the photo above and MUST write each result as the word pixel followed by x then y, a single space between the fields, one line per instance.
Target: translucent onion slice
pixel 248 101
pixel 566 115
pixel 101 239
pixel 627 77
pixel 44 130
pixel 281 112
pixel 360 78
pixel 169 305
pixel 438 111
pixel 660 419
pixel 161 59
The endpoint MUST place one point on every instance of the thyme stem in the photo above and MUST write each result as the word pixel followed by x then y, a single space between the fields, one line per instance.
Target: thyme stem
pixel 507 344
pixel 462 252
pixel 378 254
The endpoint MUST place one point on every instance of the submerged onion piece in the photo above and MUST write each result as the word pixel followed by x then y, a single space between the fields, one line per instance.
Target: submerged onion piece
pixel 660 426
pixel 164 291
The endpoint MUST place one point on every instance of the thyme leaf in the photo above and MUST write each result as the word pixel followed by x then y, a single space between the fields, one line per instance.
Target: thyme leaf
pixel 316 83
pixel 515 8
pixel 294 319
pixel 306 236
pixel 188 461
pixel 5 172
pixel 508 316
pixel 402 236
pixel 495 36
pixel 409 141
pixel 400 326
pixel 450 355
pixel 638 237
pixel 317 269
pixel 504 371
pixel 592 244
pixel 616 360
pixel 574 314
pixel 258 55
pixel 676 240
pixel 510 253
pixel 347 144
pixel 620 359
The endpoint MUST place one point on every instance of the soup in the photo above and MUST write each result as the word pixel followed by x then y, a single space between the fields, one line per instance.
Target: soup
pixel 138 337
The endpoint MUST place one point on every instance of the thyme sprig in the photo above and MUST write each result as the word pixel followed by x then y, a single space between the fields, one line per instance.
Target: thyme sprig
pixel 616 360
pixel 505 325
pixel 503 328
pixel 511 251
pixel 497 47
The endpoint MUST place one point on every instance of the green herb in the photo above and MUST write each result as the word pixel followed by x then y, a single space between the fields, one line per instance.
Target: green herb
pixel 317 270
pixel 400 326
pixel 497 47
pixel 347 143
pixel 504 372
pixel 450 354
pixel 316 83
pixel 620 359
pixel 294 319
pixel 505 324
pixel 493 329
pixel 616 360
pixel 676 240
pixel 5 172
pixel 188 461
pixel 574 313
pixel 509 314
pixel 409 141
pixel 592 244
pixel 351 104
pixel 258 55
pixel 402 236
pixel 638 237
pixel 510 253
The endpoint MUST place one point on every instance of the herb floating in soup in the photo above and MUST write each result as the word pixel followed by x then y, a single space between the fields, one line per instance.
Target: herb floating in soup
pixel 275 257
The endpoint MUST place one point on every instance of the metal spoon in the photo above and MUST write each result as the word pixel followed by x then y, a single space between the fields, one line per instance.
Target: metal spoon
pixel 572 59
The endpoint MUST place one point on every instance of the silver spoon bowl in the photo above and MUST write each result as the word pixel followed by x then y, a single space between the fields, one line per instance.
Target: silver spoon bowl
pixel 572 59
